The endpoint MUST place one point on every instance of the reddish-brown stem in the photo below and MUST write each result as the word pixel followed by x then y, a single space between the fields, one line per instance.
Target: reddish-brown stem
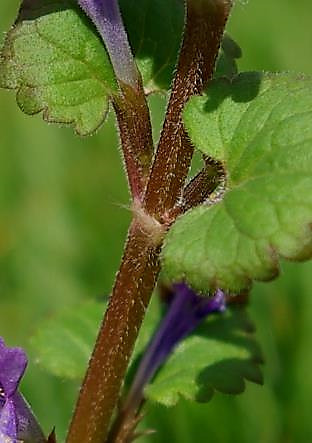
pixel 136 136
pixel 204 29
pixel 203 33
pixel 140 264
pixel 131 293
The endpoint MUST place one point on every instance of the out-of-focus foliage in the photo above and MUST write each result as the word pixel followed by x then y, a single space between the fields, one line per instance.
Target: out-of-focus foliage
pixel 63 344
pixel 222 352
pixel 63 219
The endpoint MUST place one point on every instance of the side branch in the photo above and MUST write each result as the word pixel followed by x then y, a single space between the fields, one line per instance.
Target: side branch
pixel 200 188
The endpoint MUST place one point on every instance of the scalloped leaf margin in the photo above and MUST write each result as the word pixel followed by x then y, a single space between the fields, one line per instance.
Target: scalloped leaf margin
pixel 58 65
pixel 259 127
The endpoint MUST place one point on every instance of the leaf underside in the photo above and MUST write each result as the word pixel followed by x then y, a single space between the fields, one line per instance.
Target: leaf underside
pixel 259 127
pixel 58 65
pixel 155 31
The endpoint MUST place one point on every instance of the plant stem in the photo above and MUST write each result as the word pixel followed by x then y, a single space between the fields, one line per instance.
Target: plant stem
pixel 205 22
pixel 134 284
pixel 130 103
pixel 140 264
pixel 136 136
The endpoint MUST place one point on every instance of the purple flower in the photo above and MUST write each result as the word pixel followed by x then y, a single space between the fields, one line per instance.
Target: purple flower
pixel 17 422
pixel 186 310
pixel 106 16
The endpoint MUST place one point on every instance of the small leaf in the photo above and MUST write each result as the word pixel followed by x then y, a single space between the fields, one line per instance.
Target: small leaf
pixel 259 127
pixel 226 63
pixel 58 65
pixel 219 356
pixel 63 344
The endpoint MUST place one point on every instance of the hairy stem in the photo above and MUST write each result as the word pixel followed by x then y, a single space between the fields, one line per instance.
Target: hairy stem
pixel 130 297
pixel 205 22
pixel 136 136
pixel 140 264
pixel 130 104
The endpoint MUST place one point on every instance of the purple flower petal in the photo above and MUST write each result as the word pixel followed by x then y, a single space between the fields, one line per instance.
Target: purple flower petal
pixel 28 429
pixel 186 310
pixel 106 16
pixel 13 362
pixel 17 422
pixel 8 423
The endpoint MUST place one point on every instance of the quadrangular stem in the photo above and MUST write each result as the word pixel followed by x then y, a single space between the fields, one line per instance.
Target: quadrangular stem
pixel 135 131
pixel 140 264
pixel 130 297
pixel 205 22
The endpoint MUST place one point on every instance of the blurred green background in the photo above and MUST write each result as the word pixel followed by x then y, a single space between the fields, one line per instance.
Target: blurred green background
pixel 63 220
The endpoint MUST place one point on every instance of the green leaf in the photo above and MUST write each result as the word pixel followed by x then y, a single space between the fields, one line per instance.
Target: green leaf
pixel 57 64
pixel 55 60
pixel 155 33
pixel 259 127
pixel 219 356
pixel 63 344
